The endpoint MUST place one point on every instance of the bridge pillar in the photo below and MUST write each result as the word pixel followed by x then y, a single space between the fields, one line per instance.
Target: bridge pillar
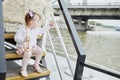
pixel 86 24
pixel 82 24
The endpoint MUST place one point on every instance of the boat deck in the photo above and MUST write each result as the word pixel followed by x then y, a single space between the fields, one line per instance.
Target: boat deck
pixel 89 74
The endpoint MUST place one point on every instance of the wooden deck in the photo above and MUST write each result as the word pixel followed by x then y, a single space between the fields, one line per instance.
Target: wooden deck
pixel 11 36
pixel 11 55
pixel 13 72
pixel 13 69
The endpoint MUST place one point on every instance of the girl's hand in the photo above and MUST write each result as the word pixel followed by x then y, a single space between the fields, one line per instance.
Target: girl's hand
pixel 51 23
pixel 27 49
pixel 26 39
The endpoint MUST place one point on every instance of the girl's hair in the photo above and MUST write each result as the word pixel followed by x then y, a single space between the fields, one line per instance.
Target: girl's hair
pixel 30 16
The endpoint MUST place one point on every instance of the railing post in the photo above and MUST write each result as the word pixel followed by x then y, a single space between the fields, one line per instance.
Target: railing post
pixel 2 48
pixel 79 68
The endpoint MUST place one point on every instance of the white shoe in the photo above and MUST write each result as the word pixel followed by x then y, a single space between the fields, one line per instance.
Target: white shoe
pixel 37 68
pixel 24 73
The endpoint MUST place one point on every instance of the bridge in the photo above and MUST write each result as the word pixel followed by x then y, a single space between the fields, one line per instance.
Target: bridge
pixel 83 11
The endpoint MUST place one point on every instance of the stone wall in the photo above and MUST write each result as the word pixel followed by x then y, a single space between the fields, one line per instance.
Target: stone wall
pixel 15 10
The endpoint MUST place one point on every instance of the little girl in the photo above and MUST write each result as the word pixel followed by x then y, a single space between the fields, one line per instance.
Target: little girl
pixel 26 38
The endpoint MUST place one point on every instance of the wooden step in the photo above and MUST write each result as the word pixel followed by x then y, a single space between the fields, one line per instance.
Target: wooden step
pixel 11 55
pixel 10 35
pixel 13 72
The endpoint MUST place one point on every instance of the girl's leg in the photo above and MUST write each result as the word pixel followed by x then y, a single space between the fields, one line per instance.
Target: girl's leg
pixel 26 57
pixel 38 53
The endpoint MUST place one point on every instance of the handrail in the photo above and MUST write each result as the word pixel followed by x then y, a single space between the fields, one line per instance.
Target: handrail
pixel 64 47
pixel 55 57
pixel 11 45
pixel 102 70
pixel 44 38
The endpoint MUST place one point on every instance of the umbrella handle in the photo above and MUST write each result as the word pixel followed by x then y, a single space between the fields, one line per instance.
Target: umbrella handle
pixel 26 45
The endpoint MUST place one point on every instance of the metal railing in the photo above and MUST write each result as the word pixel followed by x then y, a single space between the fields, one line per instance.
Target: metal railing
pixel 75 39
pixel 64 47
pixel 54 51
pixel 77 44
pixel 55 56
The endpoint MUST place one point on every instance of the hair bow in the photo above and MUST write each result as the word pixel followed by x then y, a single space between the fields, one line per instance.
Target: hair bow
pixel 31 13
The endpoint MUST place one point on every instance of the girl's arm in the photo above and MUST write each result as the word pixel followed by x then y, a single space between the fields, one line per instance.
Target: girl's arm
pixel 19 38
pixel 46 27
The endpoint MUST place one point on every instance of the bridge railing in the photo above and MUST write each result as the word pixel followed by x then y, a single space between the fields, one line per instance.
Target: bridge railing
pixel 95 3
pixel 91 5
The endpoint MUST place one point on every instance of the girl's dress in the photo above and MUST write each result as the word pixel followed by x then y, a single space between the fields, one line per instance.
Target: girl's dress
pixel 32 33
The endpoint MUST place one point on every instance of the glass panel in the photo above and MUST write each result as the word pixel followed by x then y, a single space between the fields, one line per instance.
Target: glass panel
pixel 102 45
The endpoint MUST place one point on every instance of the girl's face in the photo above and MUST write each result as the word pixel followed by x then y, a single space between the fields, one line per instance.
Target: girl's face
pixel 34 23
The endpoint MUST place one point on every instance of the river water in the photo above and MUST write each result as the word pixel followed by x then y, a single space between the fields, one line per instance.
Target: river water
pixel 101 47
